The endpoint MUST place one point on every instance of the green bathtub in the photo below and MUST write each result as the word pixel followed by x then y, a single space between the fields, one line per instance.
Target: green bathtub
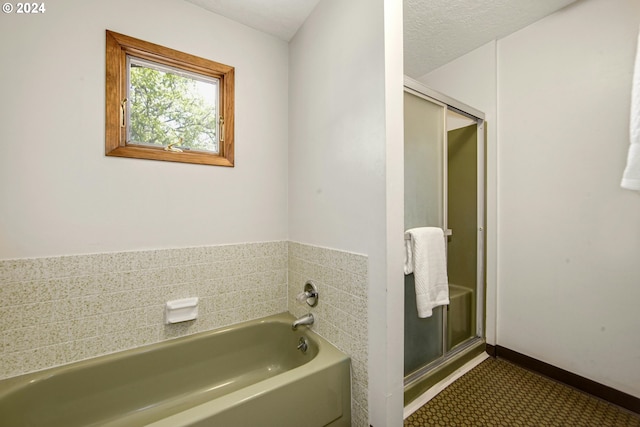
pixel 249 374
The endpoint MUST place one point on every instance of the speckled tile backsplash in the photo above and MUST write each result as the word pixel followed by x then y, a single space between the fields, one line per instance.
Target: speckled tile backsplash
pixel 59 310
pixel 341 313
pixel 63 309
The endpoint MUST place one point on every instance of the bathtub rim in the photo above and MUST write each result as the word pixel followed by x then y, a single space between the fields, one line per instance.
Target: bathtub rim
pixel 9 382
pixel 326 355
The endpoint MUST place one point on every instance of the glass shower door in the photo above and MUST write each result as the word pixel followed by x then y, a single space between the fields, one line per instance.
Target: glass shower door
pixel 425 206
pixel 444 187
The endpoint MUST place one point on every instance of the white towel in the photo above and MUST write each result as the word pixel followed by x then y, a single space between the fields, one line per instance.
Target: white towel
pixel 426 259
pixel 631 175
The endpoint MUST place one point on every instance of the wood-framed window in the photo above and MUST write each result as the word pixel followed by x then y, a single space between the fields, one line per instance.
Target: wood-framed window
pixel 162 104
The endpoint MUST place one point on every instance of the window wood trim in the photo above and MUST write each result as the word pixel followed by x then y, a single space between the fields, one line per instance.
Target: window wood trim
pixel 117 48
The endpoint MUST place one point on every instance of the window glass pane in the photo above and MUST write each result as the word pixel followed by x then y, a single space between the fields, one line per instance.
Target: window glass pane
pixel 168 105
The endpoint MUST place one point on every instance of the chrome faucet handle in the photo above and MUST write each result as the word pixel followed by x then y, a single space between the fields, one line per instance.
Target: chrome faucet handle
pixel 309 294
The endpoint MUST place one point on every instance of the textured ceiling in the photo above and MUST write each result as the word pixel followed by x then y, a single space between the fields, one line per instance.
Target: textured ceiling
pixel 438 31
pixel 435 31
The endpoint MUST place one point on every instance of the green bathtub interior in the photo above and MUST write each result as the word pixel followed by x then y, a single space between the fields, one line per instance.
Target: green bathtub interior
pixel 242 374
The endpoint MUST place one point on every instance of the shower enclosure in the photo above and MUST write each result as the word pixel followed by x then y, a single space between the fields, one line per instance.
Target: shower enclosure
pixel 444 187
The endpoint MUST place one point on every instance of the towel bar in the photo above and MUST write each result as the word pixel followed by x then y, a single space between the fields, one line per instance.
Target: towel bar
pixel 447 232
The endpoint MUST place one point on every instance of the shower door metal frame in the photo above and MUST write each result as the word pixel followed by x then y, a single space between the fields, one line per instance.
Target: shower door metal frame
pixel 418 89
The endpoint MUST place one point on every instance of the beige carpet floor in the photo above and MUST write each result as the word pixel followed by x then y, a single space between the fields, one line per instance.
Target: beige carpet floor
pixel 499 393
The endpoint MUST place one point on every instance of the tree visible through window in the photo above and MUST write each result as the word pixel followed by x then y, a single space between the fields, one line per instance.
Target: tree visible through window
pixel 163 104
pixel 169 108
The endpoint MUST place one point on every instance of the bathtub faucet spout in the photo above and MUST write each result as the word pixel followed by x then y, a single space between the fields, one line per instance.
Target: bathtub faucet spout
pixel 307 319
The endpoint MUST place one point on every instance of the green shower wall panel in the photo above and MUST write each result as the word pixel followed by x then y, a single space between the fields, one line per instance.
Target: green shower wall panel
pixel 462 219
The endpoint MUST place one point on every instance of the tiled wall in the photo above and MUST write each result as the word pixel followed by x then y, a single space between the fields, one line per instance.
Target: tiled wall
pixel 63 309
pixel 341 313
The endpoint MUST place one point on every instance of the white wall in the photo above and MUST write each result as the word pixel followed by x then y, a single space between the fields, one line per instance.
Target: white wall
pixel 60 194
pixel 336 127
pixel 568 235
pixel 337 154
pixel 471 79
pixel 393 293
